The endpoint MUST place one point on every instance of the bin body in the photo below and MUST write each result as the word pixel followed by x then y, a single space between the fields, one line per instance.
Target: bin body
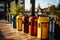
pixel 33 25
pixel 14 20
pixel 25 24
pixel 51 28
pixel 19 22
pixel 42 30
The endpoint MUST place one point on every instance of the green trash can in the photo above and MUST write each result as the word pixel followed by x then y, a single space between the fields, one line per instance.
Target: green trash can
pixel 14 20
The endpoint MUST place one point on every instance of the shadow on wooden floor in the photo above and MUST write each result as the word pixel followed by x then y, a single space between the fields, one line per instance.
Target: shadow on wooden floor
pixel 57 32
pixel 2 36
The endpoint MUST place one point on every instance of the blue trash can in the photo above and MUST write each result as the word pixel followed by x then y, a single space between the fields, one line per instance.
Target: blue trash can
pixel 14 20
pixel 51 28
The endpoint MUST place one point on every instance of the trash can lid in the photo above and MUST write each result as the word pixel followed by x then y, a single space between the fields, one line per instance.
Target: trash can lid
pixel 43 19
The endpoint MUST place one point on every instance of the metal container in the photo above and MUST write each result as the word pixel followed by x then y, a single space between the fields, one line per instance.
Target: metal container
pixel 51 27
pixel 19 22
pixel 43 27
pixel 14 20
pixel 25 24
pixel 33 25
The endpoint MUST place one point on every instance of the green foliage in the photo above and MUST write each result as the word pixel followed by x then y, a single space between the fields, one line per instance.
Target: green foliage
pixel 51 8
pixel 16 9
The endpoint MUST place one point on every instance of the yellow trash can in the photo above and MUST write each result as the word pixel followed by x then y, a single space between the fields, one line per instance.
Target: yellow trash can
pixel 43 25
pixel 19 22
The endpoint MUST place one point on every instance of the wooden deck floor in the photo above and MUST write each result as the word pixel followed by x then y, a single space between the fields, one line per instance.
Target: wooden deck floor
pixel 7 32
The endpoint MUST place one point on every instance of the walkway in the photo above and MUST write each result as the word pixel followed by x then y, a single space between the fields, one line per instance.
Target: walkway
pixel 7 32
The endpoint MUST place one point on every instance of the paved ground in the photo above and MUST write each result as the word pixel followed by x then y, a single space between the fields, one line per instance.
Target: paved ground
pixel 9 33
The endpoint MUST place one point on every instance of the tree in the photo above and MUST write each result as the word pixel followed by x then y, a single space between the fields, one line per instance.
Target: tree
pixel 51 8
pixel 38 8
pixel 16 9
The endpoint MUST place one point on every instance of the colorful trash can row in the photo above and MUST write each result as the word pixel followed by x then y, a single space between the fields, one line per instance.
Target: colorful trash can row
pixel 39 27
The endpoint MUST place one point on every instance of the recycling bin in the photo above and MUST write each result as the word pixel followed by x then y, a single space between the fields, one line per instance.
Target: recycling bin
pixel 33 26
pixel 51 27
pixel 19 22
pixel 43 27
pixel 25 20
pixel 14 20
